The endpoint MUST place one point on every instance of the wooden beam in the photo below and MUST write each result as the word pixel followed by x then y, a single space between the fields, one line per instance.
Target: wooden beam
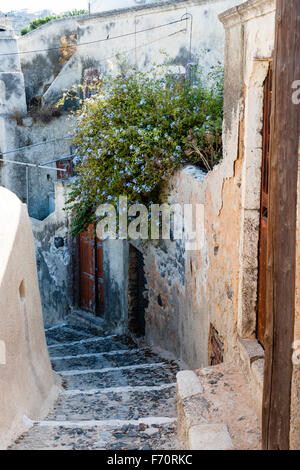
pixel 281 264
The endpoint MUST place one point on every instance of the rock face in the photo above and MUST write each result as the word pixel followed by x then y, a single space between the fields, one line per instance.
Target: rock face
pixel 118 395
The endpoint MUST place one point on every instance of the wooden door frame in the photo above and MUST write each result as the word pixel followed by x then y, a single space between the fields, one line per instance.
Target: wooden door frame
pixel 281 265
pixel 264 208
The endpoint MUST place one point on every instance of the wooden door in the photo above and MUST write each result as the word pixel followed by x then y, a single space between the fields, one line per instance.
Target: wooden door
pixel 264 210
pixel 64 165
pixel 91 272
pixel 280 418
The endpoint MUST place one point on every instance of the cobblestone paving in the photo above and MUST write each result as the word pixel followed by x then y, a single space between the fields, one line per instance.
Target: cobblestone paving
pixel 117 396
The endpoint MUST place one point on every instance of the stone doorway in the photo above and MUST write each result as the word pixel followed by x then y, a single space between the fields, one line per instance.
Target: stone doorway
pixel 137 292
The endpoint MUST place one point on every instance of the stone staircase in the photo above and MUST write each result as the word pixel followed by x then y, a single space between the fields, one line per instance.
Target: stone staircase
pixel 117 396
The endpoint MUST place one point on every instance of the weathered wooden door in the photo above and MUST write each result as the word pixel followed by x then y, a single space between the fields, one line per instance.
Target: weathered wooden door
pixel 91 272
pixel 264 209
pixel 64 165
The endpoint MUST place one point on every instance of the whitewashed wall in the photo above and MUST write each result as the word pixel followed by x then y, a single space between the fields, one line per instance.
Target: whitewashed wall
pixel 28 385
pixel 105 5
pixel 45 76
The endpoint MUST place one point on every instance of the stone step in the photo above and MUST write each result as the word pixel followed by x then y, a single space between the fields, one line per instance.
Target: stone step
pixel 117 397
pixel 125 436
pixel 99 345
pixel 115 405
pixel 65 334
pixel 102 360
pixel 90 329
pixel 134 376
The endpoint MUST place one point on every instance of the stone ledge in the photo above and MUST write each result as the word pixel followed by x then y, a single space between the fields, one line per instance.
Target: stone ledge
pixel 210 437
pixel 258 372
pixel 85 318
pixel 251 361
pixel 251 349
pixel 188 384
pixel 224 403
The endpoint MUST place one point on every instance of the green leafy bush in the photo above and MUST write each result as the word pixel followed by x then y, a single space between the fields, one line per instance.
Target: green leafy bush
pixel 24 31
pixel 34 24
pixel 136 131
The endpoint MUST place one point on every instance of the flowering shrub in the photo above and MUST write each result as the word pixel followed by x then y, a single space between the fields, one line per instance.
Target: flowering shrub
pixel 136 131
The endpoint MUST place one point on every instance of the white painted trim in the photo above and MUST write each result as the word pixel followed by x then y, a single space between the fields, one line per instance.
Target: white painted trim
pixel 55 327
pixel 66 373
pixel 109 353
pixel 114 423
pixel 82 341
pixel 142 388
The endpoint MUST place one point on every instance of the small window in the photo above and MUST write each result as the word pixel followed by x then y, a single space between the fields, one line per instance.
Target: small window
pixel 65 165
pixel 176 76
pixel 216 347
pixel 22 290
pixel 91 78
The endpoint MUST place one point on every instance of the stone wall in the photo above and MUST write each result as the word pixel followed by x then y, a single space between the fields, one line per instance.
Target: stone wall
pixel 45 77
pixel 28 387
pixel 40 187
pixel 192 292
pixel 12 97
pixel 55 252
pixel 215 287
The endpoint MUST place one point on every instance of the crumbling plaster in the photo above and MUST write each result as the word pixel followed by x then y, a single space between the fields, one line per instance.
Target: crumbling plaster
pixel 116 284
pixel 220 284
pixel 196 287
pixel 40 181
pixel 54 253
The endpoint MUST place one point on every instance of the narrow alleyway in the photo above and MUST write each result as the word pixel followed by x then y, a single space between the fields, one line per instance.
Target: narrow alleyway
pixel 117 396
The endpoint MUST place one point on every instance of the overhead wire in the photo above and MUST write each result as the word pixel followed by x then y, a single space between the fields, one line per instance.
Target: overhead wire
pixel 96 41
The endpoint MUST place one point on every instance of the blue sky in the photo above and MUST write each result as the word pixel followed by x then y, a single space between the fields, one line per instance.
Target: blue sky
pixel 37 5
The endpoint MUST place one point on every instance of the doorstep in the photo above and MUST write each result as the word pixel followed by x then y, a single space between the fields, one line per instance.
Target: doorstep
pixel 78 316
pixel 216 411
